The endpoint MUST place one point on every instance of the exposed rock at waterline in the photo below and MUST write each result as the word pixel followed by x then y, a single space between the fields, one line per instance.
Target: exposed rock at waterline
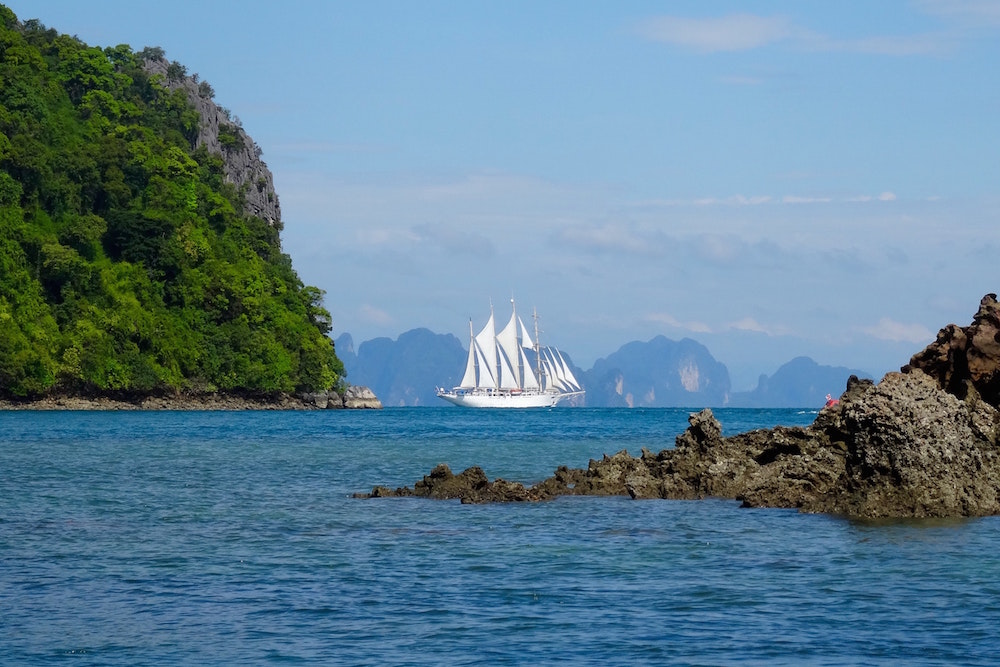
pixel 362 398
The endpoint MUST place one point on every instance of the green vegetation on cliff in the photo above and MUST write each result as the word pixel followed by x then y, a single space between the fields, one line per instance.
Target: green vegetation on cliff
pixel 127 263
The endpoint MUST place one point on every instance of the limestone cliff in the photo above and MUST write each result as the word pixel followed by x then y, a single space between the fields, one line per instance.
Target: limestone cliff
pixel 222 134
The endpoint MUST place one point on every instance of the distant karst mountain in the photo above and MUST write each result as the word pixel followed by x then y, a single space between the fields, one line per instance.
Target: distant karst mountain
pixel 407 371
pixel 656 373
pixel 800 383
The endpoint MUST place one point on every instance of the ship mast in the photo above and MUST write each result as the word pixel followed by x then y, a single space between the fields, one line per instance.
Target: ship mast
pixel 518 367
pixel 472 351
pixel 538 350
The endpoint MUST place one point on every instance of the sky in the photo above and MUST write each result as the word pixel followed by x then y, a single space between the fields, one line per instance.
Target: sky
pixel 771 179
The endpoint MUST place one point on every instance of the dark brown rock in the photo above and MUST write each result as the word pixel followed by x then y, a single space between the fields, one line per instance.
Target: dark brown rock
pixel 918 451
pixel 469 486
pixel 970 356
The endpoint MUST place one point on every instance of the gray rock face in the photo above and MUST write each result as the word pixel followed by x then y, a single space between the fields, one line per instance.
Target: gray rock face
pixel 361 398
pixel 904 447
pixel 354 398
pixel 223 135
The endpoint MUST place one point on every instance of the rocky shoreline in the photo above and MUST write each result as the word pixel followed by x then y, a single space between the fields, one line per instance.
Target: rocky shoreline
pixel 353 398
pixel 923 442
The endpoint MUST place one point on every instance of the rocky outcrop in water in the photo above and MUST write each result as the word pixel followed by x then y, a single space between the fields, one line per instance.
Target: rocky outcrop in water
pixel 924 442
pixel 360 398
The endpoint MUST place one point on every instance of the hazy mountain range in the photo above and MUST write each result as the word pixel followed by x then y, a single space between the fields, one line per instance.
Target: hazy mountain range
pixel 657 373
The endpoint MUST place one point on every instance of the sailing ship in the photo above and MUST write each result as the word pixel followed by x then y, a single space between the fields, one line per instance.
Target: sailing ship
pixel 510 369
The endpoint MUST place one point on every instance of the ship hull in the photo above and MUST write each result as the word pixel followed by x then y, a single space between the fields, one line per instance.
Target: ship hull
pixel 504 400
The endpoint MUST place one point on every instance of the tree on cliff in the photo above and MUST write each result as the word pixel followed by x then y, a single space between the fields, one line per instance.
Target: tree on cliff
pixel 127 262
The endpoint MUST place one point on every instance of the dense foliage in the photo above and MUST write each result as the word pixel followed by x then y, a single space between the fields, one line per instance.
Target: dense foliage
pixel 126 262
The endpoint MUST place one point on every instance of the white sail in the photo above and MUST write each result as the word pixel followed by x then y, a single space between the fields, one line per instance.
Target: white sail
pixel 551 370
pixel 567 374
pixel 486 377
pixel 469 379
pixel 507 341
pixel 530 381
pixel 487 342
pixel 525 335
pixel 508 374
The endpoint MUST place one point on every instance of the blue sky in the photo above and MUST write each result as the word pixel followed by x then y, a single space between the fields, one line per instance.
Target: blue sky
pixel 771 179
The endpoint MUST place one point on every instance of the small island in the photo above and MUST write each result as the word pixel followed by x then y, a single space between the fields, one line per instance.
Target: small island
pixel 140 252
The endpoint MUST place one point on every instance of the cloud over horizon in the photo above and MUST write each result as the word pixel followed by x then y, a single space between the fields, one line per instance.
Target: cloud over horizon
pixel 735 32
pixel 899 332
pixel 744 32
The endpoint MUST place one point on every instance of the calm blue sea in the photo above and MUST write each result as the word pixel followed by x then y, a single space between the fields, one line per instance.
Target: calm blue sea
pixel 231 538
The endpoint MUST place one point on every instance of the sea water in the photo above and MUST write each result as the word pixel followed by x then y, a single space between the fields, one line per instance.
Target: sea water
pixel 233 538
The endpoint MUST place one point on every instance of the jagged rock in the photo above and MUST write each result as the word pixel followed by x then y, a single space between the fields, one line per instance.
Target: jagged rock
pixel 961 357
pixel 919 451
pixel 355 397
pixel 319 399
pixel 469 486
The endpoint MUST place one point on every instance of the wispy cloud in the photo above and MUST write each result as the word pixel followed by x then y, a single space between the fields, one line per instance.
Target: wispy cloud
pixel 747 324
pixel 383 236
pixel 718 247
pixel 733 200
pixel 610 238
pixel 888 45
pixel 672 322
pixel 795 199
pixel 736 32
pixel 899 332
pixel 750 324
pixel 743 32
pixel 735 80
pixel 329 147
pixel 372 315
pixel 488 185
pixel 456 241
pixel 885 196
pixel 760 200
pixel 972 12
